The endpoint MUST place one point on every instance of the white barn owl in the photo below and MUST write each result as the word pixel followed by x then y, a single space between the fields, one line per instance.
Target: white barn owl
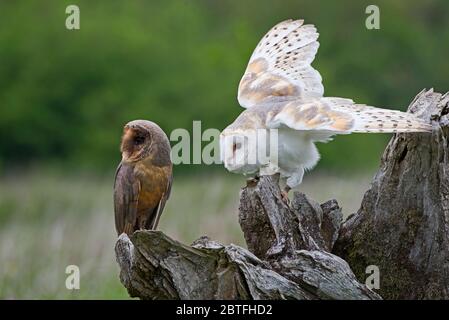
pixel 281 90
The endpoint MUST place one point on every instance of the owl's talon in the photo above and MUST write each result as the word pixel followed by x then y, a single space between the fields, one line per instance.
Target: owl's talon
pixel 284 195
pixel 252 182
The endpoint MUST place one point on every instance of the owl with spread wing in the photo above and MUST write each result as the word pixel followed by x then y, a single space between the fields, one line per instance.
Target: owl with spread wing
pixel 283 93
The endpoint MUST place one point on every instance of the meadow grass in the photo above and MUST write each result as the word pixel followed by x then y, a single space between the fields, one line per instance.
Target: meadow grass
pixel 49 221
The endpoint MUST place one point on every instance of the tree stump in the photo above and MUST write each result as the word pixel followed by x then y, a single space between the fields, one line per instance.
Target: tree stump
pixel 402 225
pixel 302 250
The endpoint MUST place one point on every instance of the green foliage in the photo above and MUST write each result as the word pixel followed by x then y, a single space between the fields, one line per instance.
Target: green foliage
pixel 65 95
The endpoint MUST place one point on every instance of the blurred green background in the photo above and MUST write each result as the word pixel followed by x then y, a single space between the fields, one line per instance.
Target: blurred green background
pixel 65 96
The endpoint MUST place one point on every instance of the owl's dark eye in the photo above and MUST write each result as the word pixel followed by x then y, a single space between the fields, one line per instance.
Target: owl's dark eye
pixel 236 146
pixel 138 140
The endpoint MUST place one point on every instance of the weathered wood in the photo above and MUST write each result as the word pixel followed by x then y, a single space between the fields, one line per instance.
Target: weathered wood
pixel 294 239
pixel 293 266
pixel 401 227
pixel 402 224
pixel 271 227
pixel 153 266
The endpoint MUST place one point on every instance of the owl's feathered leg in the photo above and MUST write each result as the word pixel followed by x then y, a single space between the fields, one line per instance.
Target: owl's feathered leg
pixel 292 182
pixel 295 179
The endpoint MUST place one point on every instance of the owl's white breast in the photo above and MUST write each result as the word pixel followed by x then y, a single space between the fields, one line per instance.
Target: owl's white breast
pixel 296 149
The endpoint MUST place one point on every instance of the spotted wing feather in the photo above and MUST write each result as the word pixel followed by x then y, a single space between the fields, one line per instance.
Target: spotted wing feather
pixel 329 116
pixel 279 68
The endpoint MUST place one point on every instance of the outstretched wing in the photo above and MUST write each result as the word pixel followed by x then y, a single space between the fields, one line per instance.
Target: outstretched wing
pixel 324 117
pixel 279 68
pixel 126 197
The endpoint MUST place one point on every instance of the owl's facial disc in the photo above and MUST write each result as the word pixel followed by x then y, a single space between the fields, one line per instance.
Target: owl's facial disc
pixel 235 149
pixel 135 143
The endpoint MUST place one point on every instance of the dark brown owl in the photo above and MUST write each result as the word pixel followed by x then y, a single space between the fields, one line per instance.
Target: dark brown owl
pixel 144 177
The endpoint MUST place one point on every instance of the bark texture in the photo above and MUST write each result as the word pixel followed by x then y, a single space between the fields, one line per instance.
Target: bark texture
pixel 295 265
pixel 303 250
pixel 402 225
